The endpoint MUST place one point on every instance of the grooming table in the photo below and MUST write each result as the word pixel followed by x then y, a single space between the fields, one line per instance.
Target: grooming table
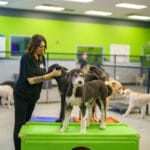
pixel 46 136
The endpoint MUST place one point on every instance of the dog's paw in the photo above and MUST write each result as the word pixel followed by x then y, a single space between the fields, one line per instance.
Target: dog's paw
pixel 83 131
pixel 88 124
pixel 58 120
pixel 102 126
pixel 61 130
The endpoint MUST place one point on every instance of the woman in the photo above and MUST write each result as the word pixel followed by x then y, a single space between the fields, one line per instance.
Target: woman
pixel 29 84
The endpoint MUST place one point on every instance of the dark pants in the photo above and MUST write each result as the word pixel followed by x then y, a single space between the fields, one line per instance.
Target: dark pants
pixel 23 112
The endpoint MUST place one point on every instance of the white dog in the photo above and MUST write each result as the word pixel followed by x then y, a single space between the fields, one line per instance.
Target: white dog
pixel 136 99
pixel 6 94
pixel 140 79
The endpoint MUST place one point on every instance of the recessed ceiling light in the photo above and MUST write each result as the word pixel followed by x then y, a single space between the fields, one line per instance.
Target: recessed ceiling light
pixel 3 2
pixel 98 13
pixel 49 8
pixel 81 1
pixel 139 17
pixel 131 6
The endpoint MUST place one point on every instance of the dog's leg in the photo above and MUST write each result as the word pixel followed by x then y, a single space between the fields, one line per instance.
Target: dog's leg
pixel 107 102
pixel 143 111
pixel 128 111
pixel 3 100
pixel 89 111
pixel 67 117
pixel 62 109
pixel 83 118
pixel 8 101
pixel 103 113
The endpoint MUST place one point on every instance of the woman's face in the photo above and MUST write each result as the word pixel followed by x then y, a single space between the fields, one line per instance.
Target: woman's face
pixel 40 49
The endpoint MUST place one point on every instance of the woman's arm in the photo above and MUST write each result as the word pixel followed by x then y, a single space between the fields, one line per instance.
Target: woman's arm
pixel 45 77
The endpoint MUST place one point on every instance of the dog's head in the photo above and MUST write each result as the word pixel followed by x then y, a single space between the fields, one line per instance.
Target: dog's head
pixel 115 85
pixel 126 93
pixel 99 72
pixel 76 77
pixel 57 67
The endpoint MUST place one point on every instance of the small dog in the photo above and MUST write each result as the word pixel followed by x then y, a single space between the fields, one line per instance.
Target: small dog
pixel 116 89
pixel 140 79
pixel 84 94
pixel 136 99
pixel 6 94
pixel 115 85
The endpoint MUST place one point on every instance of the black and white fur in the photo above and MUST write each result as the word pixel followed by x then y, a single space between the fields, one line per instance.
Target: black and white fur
pixel 84 94
pixel 92 73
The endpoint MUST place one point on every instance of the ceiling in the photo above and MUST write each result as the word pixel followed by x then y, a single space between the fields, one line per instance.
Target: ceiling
pixel 80 8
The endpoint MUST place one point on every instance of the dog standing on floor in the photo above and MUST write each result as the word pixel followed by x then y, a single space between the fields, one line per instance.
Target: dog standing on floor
pixel 136 99
pixel 140 79
pixel 84 94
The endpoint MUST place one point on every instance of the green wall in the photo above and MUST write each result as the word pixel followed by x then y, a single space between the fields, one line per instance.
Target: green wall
pixel 65 36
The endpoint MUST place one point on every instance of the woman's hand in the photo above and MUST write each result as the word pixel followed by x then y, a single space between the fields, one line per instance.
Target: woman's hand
pixel 56 72
pixel 53 74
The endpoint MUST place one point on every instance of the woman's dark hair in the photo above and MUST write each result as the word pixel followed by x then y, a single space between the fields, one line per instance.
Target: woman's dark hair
pixel 35 42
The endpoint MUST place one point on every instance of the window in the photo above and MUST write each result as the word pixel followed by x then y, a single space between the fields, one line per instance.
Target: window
pixel 18 44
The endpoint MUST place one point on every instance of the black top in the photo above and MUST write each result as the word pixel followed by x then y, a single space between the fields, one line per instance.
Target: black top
pixel 29 67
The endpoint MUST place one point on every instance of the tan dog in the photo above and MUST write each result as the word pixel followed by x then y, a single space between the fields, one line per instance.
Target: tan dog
pixel 116 89
pixel 136 99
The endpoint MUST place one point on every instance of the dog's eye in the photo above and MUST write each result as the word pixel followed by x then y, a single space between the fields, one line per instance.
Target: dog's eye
pixel 75 75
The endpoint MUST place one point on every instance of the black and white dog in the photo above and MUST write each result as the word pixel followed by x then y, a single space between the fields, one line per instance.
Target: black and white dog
pixel 92 73
pixel 84 94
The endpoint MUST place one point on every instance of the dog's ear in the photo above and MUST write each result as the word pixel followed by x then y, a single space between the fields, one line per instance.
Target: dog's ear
pixel 113 83
pixel 68 76
pixel 110 91
pixel 66 69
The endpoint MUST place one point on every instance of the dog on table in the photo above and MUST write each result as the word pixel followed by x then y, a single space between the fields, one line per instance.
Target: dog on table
pixel 92 73
pixel 84 94
pixel 6 94
pixel 136 99
pixel 62 83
